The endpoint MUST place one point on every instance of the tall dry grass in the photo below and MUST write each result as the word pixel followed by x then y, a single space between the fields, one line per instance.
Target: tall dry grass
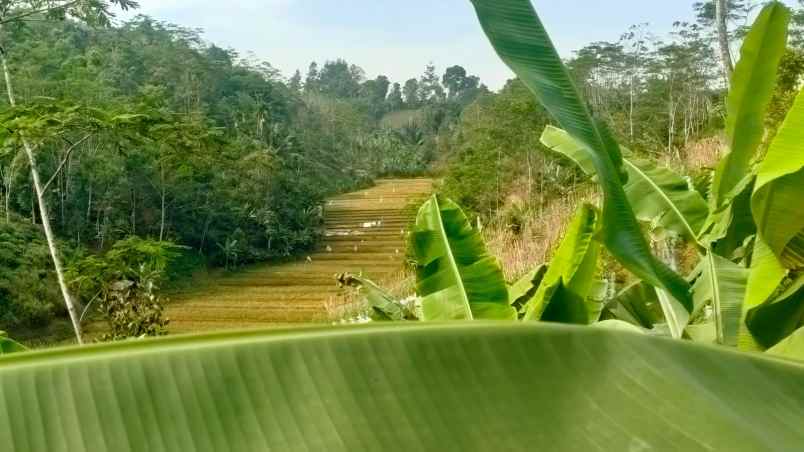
pixel 522 247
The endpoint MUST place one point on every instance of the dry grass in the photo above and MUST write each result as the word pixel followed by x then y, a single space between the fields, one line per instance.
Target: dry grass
pixel 541 230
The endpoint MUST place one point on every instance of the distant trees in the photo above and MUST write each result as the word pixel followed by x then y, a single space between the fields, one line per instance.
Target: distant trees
pixel 458 82
pixel 411 93
pixel 395 101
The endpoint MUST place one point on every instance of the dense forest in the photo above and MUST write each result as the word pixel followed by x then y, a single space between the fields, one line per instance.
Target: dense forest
pixel 144 130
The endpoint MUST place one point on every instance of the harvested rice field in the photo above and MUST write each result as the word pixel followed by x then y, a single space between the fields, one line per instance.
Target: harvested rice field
pixel 365 232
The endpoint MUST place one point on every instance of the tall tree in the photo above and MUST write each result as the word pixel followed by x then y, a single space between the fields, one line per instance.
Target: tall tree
pixel 430 89
pixel 395 101
pixel 721 21
pixel 295 82
pixel 411 92
pixel 16 13
pixel 311 81
pixel 340 80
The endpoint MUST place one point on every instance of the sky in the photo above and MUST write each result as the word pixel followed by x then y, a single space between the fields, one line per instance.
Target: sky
pixel 398 38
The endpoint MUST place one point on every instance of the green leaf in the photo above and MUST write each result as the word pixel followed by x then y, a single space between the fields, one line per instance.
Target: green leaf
pixel 638 305
pixel 457 278
pixel 571 273
pixel 658 195
pixel 752 88
pixel 384 305
pixel 790 348
pixel 8 345
pixel 764 280
pixel 779 191
pixel 518 36
pixel 524 289
pixel 722 283
pixel 665 199
pixel 406 387
pixel 675 314
pixel 773 321
pixel 563 143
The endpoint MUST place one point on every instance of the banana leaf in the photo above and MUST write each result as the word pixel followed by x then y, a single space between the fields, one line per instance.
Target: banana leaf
pixel 752 88
pixel 722 283
pixel 457 278
pixel 764 280
pixel 523 290
pixel 636 304
pixel 790 348
pixel 520 39
pixel 658 195
pixel 562 294
pixel 383 305
pixel 779 191
pixel 773 321
pixel 406 387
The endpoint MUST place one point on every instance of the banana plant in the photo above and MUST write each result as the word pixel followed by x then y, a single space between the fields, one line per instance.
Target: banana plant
pixel 563 293
pixel 726 224
pixel 457 278
pixel 519 37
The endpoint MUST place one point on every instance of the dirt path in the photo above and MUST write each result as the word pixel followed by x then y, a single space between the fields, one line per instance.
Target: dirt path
pixel 365 232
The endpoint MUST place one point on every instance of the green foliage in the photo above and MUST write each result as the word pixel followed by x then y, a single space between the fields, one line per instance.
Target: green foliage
pixel 8 345
pixel 520 39
pixel 29 294
pixel 125 282
pixel 791 348
pixel 780 186
pixel 752 89
pixel 658 195
pixel 496 144
pixel 443 380
pixel 457 279
pixel 563 292
pixel 383 306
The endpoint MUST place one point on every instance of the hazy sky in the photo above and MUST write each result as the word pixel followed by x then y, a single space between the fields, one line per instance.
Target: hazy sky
pixel 398 38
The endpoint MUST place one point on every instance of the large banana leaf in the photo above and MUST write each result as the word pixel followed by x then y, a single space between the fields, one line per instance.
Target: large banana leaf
pixel 722 283
pixel 779 191
pixel 519 37
pixel 658 195
pixel 457 278
pixel 401 388
pixel 8 345
pixel 562 294
pixel 752 88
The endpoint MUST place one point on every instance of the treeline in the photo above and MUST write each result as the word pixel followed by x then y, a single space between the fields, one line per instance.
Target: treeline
pixel 659 95
pixel 150 132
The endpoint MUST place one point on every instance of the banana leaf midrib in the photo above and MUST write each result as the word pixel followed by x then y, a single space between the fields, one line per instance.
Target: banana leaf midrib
pixel 453 264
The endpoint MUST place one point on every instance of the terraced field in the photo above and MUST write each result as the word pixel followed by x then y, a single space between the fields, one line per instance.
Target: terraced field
pixel 365 232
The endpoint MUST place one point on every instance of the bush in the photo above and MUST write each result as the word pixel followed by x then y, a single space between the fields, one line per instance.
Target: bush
pixel 125 284
pixel 29 293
